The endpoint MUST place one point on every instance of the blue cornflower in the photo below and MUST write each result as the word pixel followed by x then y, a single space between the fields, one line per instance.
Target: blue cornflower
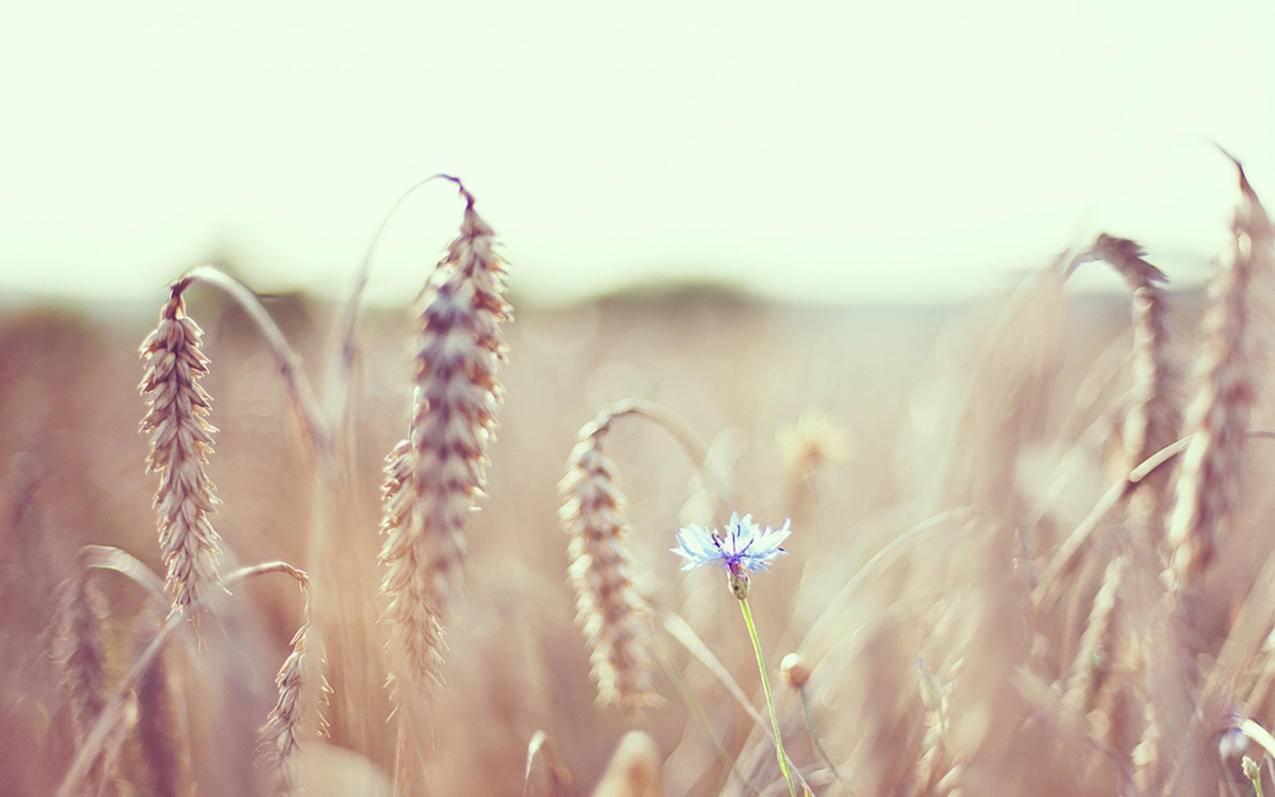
pixel 744 547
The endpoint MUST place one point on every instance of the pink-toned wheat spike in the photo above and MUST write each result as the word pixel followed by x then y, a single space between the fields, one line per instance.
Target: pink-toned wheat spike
pixel 1210 471
pixel 459 351
pixel 181 440
pixel 610 611
pixel 280 738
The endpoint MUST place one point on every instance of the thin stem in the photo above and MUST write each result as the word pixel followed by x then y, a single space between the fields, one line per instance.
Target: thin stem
pixel 814 740
pixel 681 432
pixel 780 753
pixel 294 378
pixel 346 347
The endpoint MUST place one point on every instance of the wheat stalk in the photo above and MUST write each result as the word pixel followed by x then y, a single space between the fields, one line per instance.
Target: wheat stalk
pixel 181 439
pixel 610 611
pixel 459 350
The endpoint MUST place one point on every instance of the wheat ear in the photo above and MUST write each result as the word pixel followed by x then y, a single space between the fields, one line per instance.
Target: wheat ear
pixel 459 351
pixel 279 740
pixel 610 611
pixel 1153 419
pixel 1093 663
pixel 1210 472
pixel 181 439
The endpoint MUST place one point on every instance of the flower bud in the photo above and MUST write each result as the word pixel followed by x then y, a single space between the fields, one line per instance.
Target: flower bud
pixel 794 670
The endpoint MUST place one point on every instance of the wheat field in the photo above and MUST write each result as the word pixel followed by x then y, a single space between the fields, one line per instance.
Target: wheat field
pixel 1029 549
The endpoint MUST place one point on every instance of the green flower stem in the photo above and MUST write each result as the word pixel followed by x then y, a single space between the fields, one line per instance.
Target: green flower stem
pixel 780 753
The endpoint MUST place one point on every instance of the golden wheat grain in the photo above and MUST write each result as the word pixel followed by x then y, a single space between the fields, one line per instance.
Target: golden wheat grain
pixel 610 611
pixel 181 439
pixel 459 351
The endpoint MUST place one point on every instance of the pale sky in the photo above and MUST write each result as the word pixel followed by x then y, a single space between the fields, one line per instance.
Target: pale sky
pixel 847 151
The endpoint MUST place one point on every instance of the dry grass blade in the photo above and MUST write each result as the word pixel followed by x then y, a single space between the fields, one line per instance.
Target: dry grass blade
pixel 106 557
pixel 680 630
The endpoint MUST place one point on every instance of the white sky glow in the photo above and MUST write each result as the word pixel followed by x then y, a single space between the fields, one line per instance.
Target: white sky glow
pixel 843 151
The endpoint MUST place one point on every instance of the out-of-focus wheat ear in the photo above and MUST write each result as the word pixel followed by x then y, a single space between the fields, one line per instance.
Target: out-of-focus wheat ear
pixel 1154 418
pixel 79 653
pixel 181 440
pixel 811 444
pixel 1094 659
pixel 279 740
pixel 610 611
pixel 1210 471
pixel 459 350
pixel 634 770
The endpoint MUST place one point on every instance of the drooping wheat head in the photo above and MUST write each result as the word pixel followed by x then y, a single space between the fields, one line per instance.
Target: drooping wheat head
pixel 459 351
pixel 1153 419
pixel 181 440
pixel 279 740
pixel 610 611
pixel 1210 470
